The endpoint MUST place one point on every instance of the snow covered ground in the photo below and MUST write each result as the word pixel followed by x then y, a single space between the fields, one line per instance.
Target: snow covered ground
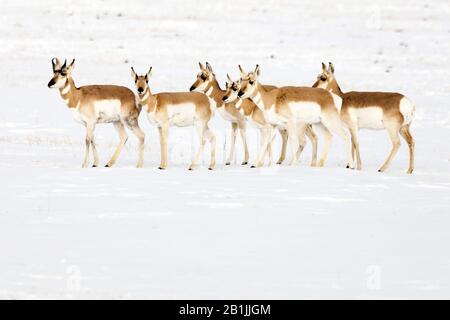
pixel 279 232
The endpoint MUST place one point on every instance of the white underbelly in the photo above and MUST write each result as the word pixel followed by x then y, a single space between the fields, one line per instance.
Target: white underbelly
pixel 274 119
pixel 181 115
pixel 151 116
pixel 306 112
pixel 107 110
pixel 226 115
pixel 78 116
pixel 369 118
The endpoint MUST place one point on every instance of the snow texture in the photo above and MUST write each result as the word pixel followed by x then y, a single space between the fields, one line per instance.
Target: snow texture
pixel 236 232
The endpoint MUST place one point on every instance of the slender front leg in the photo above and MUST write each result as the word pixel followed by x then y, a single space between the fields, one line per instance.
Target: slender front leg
pixel 243 134
pixel 265 143
pixel 301 129
pixel 355 146
pixel 313 138
pixel 293 140
pixel 284 137
pixel 201 128
pixel 89 137
pixel 163 137
pixel 123 139
pixel 212 141
pixel 234 128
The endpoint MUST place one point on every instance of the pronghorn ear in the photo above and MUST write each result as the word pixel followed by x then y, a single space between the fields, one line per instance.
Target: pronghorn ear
pixel 257 70
pixel 202 67
pixel 208 67
pixel 71 65
pixel 242 71
pixel 133 74
pixel 149 73
pixel 330 67
pixel 324 67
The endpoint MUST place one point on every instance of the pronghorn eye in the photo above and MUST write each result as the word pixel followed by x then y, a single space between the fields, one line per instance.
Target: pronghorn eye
pixel 251 82
pixel 203 77
pixel 63 73
pixel 323 78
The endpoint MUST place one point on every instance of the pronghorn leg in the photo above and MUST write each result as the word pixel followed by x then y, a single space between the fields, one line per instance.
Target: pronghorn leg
pixel 355 147
pixel 137 131
pixel 89 137
pixel 335 125
pixel 313 138
pixel 284 137
pixel 266 137
pixel 94 151
pixel 234 128
pixel 293 141
pixel 163 138
pixel 243 134
pixel 267 131
pixel 201 128
pixel 393 130
pixel 212 142
pixel 327 137
pixel 406 134
pixel 123 139
pixel 301 138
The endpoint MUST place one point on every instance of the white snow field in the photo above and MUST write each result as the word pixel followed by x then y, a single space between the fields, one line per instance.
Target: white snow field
pixel 278 232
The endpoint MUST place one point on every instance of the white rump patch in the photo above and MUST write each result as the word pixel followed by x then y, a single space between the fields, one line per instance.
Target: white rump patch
pixel 181 115
pixel 306 111
pixel 407 109
pixel 107 110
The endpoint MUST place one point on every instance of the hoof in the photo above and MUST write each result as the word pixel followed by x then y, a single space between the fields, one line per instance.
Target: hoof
pixel 107 166
pixel 94 166
pixel 227 163
pixel 244 163
pixel 190 169
pixel 379 170
pixel 161 168
pixel 253 166
pixel 210 168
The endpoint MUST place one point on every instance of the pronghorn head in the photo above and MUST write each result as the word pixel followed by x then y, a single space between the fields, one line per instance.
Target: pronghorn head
pixel 326 78
pixel 141 81
pixel 204 78
pixel 61 72
pixel 232 90
pixel 249 82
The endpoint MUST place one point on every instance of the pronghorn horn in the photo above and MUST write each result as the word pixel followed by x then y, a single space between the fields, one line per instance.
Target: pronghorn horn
pixel 133 74
pixel 241 70
pixel 65 64
pixel 208 66
pixel 257 71
pixel 229 78
pixel 201 66
pixel 330 67
pixel 54 63
pixel 324 67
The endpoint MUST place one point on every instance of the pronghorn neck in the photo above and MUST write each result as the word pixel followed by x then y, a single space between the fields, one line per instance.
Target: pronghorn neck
pixel 259 96
pixel 69 93
pixel 213 91
pixel 148 99
pixel 333 87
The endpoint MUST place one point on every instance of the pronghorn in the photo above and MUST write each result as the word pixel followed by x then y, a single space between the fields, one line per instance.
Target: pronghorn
pixel 294 108
pixel 251 111
pixel 206 83
pixel 179 109
pixel 99 104
pixel 373 110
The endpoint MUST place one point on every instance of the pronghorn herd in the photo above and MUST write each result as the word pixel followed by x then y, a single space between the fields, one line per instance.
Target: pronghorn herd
pixel 292 111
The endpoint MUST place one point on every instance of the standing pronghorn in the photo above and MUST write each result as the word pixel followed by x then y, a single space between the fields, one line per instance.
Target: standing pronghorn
pixel 179 109
pixel 99 104
pixel 252 112
pixel 373 110
pixel 206 83
pixel 294 108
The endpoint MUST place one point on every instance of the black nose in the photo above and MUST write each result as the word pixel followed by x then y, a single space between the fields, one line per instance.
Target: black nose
pixel 140 90
pixel 192 88
pixel 224 98
pixel 51 83
pixel 240 94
